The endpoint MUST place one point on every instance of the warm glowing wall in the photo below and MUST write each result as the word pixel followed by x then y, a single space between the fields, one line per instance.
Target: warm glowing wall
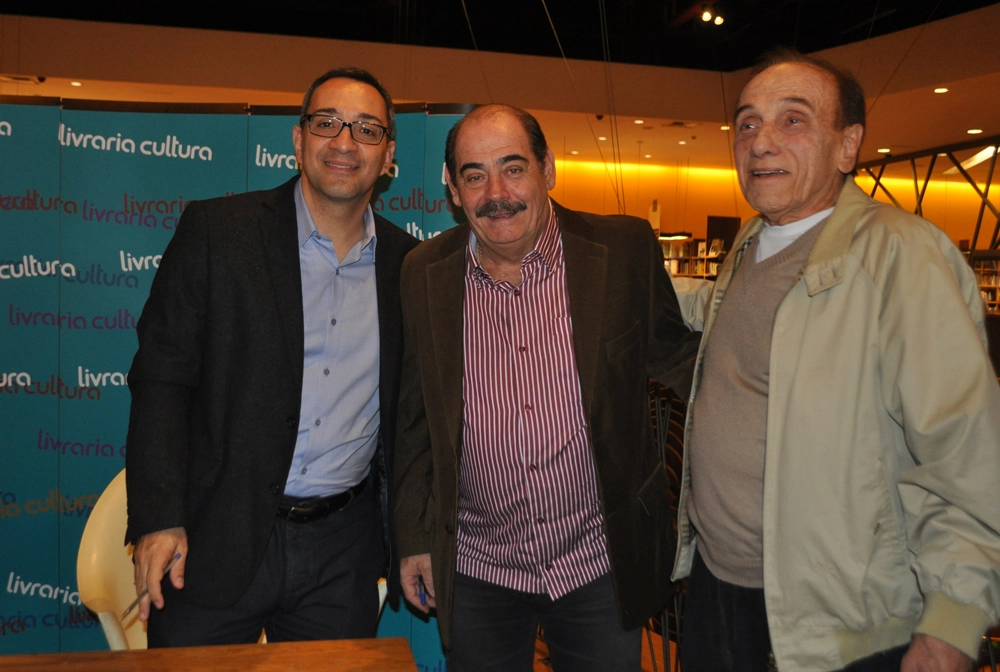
pixel 687 196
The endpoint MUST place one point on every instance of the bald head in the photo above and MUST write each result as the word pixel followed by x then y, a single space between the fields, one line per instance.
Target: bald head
pixel 496 113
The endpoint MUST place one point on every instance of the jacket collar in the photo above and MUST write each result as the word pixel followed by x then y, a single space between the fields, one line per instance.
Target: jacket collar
pixel 825 266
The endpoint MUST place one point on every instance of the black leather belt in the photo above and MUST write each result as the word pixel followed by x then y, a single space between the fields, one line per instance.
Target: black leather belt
pixel 308 510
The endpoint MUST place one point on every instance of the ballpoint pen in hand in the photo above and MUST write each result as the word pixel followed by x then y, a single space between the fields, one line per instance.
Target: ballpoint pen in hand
pixel 145 592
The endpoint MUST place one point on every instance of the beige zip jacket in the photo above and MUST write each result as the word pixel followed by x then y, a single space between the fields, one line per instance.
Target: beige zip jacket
pixel 882 466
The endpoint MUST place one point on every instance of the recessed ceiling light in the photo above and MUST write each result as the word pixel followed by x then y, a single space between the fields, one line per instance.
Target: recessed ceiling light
pixel 648 156
pixel 943 154
pixel 974 131
pixel 718 20
pixel 601 137
pixel 574 152
pixel 941 89
pixel 76 83
pixel 639 121
pixel 884 150
pixel 706 16
pixel 723 128
pixel 683 142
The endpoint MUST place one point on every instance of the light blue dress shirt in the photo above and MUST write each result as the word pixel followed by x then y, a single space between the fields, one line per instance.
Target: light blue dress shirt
pixel 339 420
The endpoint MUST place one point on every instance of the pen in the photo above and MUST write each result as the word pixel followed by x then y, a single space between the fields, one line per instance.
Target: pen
pixel 145 592
pixel 423 595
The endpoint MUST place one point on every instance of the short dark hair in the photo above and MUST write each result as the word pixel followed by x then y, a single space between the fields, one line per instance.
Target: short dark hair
pixel 536 138
pixel 358 75
pixel 852 96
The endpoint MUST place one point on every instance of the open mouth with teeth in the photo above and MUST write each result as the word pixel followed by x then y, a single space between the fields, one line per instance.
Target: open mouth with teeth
pixel 769 173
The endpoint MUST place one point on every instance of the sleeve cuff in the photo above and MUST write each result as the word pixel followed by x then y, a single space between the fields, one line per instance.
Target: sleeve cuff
pixel 961 625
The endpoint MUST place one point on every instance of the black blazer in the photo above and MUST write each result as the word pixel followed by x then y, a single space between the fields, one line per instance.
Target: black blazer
pixel 626 326
pixel 217 383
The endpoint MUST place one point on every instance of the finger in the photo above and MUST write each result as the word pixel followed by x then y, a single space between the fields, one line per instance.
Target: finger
pixel 144 609
pixel 177 571
pixel 153 578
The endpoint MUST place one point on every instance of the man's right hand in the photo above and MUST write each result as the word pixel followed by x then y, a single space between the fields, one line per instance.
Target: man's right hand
pixel 414 570
pixel 152 554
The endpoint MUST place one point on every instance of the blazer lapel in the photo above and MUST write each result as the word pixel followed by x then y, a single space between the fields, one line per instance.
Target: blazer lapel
pixel 445 298
pixel 586 272
pixel 279 236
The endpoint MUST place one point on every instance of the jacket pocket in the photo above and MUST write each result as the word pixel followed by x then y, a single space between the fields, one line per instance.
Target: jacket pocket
pixel 624 343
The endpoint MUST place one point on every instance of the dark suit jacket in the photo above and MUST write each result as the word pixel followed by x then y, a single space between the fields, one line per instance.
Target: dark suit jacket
pixel 217 383
pixel 626 325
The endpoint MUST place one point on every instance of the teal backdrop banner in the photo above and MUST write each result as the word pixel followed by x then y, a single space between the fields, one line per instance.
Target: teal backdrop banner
pixel 90 195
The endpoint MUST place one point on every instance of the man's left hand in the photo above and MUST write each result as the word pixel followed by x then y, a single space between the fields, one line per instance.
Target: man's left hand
pixel 930 654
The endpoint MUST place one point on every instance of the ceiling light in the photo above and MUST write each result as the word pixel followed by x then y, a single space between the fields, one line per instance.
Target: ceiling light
pixel 706 16
pixel 718 20
pixel 941 89
pixel 974 131
pixel 975 160
pixel 723 128
pixel 884 150
pixel 639 121
pixel 601 138
pixel 574 152
pixel 76 83
pixel 683 142
pixel 648 156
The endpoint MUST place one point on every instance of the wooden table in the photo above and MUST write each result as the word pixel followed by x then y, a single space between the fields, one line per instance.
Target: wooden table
pixel 389 654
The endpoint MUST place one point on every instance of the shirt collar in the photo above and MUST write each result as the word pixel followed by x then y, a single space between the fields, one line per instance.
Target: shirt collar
pixel 307 227
pixel 547 246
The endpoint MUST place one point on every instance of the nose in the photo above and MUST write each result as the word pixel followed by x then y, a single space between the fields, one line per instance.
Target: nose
pixel 764 142
pixel 344 142
pixel 496 188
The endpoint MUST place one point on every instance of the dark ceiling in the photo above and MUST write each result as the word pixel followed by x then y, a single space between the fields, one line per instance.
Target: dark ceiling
pixel 651 32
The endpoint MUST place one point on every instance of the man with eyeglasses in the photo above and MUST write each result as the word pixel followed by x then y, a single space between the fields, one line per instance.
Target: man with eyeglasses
pixel 264 395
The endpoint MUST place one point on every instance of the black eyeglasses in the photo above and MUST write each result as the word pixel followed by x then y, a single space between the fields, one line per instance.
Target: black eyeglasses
pixel 326 126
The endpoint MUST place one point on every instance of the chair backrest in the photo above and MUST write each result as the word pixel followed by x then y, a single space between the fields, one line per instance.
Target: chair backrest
pixel 104 574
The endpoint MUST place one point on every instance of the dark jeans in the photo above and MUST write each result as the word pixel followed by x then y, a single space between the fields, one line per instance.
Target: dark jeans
pixel 725 629
pixel 318 580
pixel 493 629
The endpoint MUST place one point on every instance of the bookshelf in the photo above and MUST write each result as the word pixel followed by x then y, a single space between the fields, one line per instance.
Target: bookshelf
pixel 986 264
pixel 692 258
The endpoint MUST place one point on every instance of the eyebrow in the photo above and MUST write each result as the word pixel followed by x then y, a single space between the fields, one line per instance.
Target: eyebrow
pixel 503 160
pixel 332 112
pixel 800 101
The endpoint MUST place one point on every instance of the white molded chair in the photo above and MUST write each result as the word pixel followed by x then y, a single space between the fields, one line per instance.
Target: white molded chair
pixel 104 573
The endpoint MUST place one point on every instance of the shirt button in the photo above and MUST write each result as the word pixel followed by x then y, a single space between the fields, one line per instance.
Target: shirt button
pixel 527 407
pixel 540 520
pixel 522 349
pixel 337 272
pixel 548 565
pixel 534 467
pixel 303 470
pixel 326 372
pixel 317 422
pixel 517 292
pixel 333 321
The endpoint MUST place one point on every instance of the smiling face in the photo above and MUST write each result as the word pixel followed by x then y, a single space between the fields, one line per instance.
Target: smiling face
pixel 790 156
pixel 500 185
pixel 339 170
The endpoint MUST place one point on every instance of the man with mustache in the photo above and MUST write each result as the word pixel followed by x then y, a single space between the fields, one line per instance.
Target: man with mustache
pixel 839 503
pixel 528 488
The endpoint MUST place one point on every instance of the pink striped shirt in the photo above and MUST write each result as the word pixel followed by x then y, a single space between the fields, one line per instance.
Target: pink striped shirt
pixel 529 514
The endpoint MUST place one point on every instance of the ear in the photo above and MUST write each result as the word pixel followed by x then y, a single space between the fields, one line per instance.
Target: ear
pixel 849 147
pixel 455 198
pixel 390 154
pixel 297 142
pixel 549 168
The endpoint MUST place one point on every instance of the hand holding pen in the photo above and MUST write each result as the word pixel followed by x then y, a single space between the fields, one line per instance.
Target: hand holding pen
pixel 156 561
pixel 145 592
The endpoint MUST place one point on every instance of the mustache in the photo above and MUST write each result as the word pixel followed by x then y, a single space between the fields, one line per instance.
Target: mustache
pixel 504 207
